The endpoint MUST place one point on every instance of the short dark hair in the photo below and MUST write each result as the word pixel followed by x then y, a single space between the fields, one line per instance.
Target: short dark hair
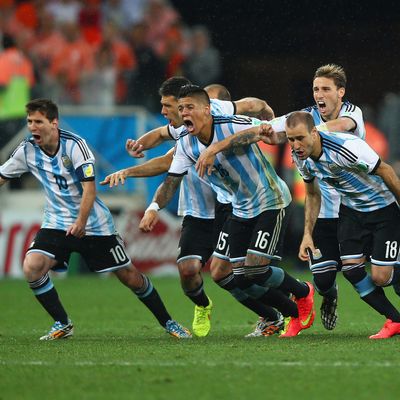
pixel 300 117
pixel 172 86
pixel 332 71
pixel 194 91
pixel 222 91
pixel 45 106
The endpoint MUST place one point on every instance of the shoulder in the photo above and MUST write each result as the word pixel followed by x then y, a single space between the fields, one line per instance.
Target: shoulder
pixel 310 109
pixel 348 107
pixel 26 143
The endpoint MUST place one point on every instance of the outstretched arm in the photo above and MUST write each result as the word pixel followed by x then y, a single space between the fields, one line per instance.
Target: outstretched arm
pixel 342 124
pixel 311 210
pixel 161 198
pixel 254 107
pixel 149 140
pixel 246 137
pixel 155 166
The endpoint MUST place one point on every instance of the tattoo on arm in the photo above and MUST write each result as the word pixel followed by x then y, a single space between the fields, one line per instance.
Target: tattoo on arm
pixel 167 189
pixel 242 139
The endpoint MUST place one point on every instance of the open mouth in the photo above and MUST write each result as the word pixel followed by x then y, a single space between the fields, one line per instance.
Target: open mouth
pixel 189 125
pixel 36 137
pixel 321 106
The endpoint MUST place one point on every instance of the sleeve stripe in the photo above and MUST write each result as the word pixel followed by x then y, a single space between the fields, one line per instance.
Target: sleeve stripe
pixel 81 144
pixel 346 153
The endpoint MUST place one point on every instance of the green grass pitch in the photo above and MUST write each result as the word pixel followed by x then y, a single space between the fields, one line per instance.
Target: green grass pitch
pixel 120 352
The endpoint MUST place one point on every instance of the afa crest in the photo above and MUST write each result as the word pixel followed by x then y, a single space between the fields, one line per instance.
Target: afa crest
pixel 66 161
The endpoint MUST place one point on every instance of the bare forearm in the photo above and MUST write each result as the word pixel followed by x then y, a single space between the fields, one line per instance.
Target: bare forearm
pixel 153 138
pixel 240 139
pixel 312 206
pixel 386 172
pixel 166 190
pixel 88 198
pixel 339 125
pixel 155 166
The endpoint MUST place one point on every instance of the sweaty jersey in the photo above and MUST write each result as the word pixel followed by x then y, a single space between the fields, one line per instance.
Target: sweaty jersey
pixel 347 164
pixel 196 197
pixel 245 173
pixel 61 176
pixel 330 198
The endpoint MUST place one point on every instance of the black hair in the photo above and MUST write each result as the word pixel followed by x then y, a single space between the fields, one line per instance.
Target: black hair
pixel 45 106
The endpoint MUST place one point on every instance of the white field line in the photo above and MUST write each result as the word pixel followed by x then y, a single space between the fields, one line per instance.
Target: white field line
pixel 240 364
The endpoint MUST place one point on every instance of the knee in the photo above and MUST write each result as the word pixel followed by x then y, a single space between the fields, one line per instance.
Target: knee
pixel 381 275
pixel 219 269
pixel 188 269
pixel 35 266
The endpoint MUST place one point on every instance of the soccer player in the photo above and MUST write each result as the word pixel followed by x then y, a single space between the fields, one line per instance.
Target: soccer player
pixel 75 219
pixel 259 200
pixel 203 214
pixel 369 216
pixel 330 113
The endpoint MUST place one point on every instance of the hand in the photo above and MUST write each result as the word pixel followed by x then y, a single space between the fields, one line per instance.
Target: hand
pixel 267 134
pixel 134 149
pixel 77 229
pixel 306 243
pixel 205 162
pixel 149 220
pixel 115 178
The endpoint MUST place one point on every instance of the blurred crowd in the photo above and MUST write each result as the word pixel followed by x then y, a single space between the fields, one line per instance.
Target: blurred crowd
pixel 98 52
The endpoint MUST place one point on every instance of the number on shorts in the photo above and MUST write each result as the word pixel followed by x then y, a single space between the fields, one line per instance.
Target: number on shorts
pixel 222 240
pixel 118 254
pixel 391 249
pixel 262 239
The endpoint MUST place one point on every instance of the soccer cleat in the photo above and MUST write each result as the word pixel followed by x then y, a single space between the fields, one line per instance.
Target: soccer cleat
pixel 305 306
pixel 389 329
pixel 329 314
pixel 293 328
pixel 59 331
pixel 201 321
pixel 267 328
pixel 177 330
pixel 306 316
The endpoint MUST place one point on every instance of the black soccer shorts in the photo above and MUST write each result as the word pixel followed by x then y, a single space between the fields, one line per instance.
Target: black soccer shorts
pixel 101 253
pixel 196 239
pixel 375 234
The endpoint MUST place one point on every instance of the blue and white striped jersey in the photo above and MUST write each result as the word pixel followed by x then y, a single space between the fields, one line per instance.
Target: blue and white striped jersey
pixel 61 177
pixel 196 197
pixel 347 163
pixel 246 174
pixel 330 198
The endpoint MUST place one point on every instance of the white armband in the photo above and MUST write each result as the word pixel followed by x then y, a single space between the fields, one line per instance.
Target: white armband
pixel 153 206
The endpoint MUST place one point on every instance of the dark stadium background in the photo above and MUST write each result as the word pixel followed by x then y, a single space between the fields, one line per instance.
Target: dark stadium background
pixel 270 49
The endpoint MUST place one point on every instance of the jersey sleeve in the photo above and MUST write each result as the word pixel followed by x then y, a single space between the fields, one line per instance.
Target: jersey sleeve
pixel 278 124
pixel 222 107
pixel 357 155
pixel 175 133
pixel 83 161
pixel 353 112
pixel 181 161
pixel 16 165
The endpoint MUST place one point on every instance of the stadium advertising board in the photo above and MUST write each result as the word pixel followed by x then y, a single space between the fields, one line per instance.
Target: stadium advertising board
pixel 155 251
